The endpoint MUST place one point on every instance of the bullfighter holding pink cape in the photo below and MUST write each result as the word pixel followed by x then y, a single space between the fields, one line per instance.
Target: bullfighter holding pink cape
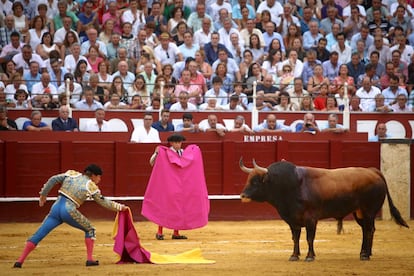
pixel 176 196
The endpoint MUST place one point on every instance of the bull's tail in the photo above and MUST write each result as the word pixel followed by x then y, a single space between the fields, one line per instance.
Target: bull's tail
pixel 395 213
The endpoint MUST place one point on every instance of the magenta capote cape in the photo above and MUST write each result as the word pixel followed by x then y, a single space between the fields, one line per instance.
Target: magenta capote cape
pixel 176 195
pixel 127 244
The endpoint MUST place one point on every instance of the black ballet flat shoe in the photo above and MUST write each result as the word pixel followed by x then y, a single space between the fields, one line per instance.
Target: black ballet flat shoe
pixel 17 265
pixel 92 263
pixel 159 237
pixel 179 237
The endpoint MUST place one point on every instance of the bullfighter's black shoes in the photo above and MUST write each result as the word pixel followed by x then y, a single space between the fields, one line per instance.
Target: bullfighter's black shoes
pixel 17 265
pixel 179 237
pixel 92 263
pixel 159 237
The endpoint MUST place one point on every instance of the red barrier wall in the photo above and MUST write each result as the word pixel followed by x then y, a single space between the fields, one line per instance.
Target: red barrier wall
pixel 28 159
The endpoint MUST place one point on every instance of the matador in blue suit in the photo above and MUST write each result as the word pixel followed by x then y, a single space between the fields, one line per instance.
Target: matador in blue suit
pixel 75 189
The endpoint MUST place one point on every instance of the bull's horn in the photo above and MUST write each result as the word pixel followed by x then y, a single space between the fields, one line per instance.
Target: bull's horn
pixel 258 167
pixel 242 167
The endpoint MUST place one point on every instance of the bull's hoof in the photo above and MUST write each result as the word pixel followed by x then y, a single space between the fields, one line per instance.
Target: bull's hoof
pixel 294 258
pixel 309 259
pixel 364 258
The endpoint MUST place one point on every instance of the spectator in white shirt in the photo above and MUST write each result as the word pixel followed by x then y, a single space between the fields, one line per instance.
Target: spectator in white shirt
pixel 23 59
pixel 226 31
pixel 72 60
pixel 211 124
pixel 203 35
pixel 98 124
pixel 44 86
pixel 401 105
pixel 183 105
pixel 216 7
pixel 146 133
pixel 167 52
pixel 92 34
pixel 367 94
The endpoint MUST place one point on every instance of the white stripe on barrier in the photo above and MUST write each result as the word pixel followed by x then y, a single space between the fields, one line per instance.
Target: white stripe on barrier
pixel 119 198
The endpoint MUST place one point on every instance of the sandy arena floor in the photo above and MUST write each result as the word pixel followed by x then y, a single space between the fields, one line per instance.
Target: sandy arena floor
pixel 248 247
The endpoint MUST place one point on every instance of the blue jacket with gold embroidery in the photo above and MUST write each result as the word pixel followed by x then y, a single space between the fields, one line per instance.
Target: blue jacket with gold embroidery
pixel 78 187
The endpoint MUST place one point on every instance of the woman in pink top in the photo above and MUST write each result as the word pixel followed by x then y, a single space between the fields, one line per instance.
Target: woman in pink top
pixel 94 59
pixel 341 79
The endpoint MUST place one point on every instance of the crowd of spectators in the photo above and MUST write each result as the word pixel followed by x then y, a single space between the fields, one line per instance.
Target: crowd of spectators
pixel 208 54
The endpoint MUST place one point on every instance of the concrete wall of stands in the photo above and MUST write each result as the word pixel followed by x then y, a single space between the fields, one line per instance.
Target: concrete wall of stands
pixel 28 159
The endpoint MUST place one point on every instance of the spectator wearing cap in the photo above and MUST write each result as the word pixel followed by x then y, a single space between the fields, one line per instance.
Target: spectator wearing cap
pixel 167 52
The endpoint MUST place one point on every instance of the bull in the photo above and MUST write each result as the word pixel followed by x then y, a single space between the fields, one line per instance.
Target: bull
pixel 304 195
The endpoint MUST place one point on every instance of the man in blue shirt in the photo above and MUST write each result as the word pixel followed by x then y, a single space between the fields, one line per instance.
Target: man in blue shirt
pixel 163 124
pixel 332 125
pixel 271 126
pixel 381 130
pixel 236 14
pixel 32 76
pixel 309 125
